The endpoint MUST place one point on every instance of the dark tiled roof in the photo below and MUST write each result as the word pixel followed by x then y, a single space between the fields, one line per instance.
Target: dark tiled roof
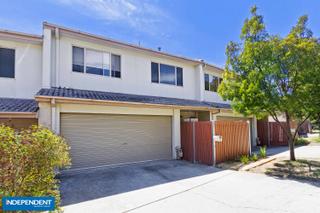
pixel 110 96
pixel 218 105
pixel 18 105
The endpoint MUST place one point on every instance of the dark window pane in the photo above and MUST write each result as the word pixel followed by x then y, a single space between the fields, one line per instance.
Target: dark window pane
pixel 115 66
pixel 167 74
pixel 220 80
pixel 77 68
pixel 179 76
pixel 7 63
pixel 106 72
pixel 214 82
pixel 206 82
pixel 94 70
pixel 116 74
pixel 154 72
pixel 77 59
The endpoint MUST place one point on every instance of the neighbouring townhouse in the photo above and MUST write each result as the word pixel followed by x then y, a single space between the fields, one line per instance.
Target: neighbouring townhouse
pixel 114 102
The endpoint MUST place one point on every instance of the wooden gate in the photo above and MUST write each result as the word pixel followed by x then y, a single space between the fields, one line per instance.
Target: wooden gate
pixel 235 140
pixel 263 132
pixel 271 134
pixel 277 136
pixel 203 142
pixel 187 144
pixel 197 141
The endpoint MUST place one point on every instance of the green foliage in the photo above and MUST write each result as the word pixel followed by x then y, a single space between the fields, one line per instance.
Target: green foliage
pixel 244 159
pixel 301 141
pixel 263 152
pixel 315 140
pixel 316 122
pixel 267 74
pixel 28 160
pixel 254 157
pixel 308 140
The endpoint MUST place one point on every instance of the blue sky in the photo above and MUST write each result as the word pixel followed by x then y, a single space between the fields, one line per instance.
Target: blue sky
pixel 197 29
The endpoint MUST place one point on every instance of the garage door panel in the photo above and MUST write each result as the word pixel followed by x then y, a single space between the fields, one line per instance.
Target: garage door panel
pixel 98 140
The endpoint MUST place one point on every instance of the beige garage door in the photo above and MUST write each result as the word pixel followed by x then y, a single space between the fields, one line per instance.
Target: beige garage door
pixel 98 140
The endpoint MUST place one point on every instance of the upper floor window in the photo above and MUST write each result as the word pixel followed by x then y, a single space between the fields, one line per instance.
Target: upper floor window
pixel 115 66
pixel 77 59
pixel 211 82
pixel 179 76
pixel 166 74
pixel 96 62
pixel 7 58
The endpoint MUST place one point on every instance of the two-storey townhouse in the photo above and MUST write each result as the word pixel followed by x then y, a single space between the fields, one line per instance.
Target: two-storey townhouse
pixel 114 102
pixel 20 77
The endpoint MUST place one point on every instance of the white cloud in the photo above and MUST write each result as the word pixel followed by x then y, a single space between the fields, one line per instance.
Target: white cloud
pixel 140 15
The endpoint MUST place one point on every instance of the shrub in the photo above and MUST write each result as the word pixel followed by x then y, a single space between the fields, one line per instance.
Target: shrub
pixel 28 161
pixel 244 159
pixel 254 157
pixel 263 152
pixel 301 141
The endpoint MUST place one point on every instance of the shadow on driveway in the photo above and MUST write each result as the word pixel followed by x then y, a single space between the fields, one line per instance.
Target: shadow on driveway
pixel 98 183
pixel 272 150
pixel 305 171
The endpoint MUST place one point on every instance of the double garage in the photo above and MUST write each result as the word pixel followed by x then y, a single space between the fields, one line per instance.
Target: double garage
pixel 111 139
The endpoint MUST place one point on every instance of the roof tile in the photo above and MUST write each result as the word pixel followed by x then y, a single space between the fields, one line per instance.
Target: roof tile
pixel 121 97
pixel 18 105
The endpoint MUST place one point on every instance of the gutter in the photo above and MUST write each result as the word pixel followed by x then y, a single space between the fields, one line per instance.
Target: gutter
pixel 36 39
pixel 18 115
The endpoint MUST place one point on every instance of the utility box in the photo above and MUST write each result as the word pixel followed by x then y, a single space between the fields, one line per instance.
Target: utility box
pixel 217 138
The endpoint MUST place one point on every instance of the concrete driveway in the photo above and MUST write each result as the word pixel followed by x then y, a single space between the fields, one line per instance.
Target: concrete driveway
pixel 102 183
pixel 178 186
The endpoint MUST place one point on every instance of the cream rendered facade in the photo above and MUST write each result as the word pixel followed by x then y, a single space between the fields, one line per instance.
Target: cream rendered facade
pixel 45 62
pixel 135 68
pixel 28 65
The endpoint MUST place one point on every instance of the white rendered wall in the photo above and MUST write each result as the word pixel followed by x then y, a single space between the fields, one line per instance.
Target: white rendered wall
pixel 199 82
pixel 176 139
pixel 47 59
pixel 135 73
pixel 27 81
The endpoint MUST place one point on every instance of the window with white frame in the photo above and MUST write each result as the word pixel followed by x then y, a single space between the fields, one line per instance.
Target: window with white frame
pixel 211 82
pixel 115 66
pixel 166 74
pixel 86 60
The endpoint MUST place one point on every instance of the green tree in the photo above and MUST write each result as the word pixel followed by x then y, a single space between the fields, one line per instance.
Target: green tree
pixel 271 75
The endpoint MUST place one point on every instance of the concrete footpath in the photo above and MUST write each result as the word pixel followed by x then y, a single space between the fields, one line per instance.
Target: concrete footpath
pixel 310 152
pixel 209 191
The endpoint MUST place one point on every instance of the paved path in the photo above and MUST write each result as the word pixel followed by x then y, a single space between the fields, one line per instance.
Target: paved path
pixel 310 151
pixel 207 190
